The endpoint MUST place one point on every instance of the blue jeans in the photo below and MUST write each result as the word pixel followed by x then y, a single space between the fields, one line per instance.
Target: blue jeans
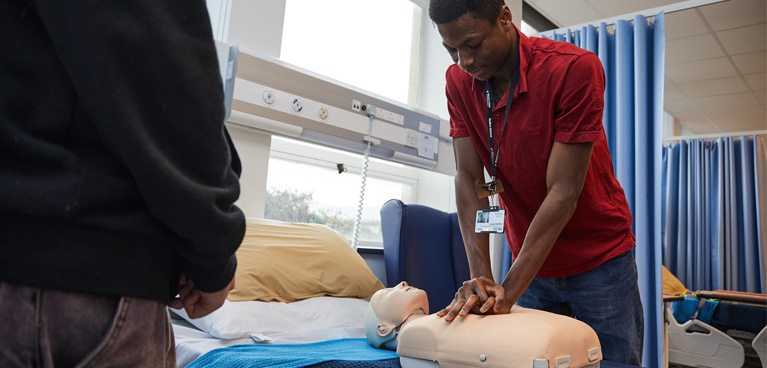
pixel 606 298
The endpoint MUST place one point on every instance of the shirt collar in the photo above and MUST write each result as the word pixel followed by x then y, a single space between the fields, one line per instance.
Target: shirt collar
pixel 524 62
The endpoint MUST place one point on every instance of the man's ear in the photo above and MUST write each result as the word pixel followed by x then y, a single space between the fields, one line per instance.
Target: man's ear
pixel 505 18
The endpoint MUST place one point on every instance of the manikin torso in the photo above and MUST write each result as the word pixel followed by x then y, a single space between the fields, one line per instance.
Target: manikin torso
pixel 397 319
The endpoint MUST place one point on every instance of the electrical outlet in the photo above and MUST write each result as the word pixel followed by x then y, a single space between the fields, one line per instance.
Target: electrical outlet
pixel 356 105
pixel 386 115
pixel 411 138
pixel 296 105
pixel 267 97
pixel 322 112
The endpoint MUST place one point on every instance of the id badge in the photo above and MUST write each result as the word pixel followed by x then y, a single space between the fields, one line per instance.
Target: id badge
pixel 489 220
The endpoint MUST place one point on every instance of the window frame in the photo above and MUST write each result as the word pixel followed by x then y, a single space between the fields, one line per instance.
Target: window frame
pixel 310 154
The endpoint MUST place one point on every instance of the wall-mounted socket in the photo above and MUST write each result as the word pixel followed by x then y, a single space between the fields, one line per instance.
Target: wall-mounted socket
pixel 296 105
pixel 267 97
pixel 411 139
pixel 356 105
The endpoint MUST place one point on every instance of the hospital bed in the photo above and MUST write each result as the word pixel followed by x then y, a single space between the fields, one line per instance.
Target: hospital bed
pixel 301 285
pixel 295 284
pixel 720 328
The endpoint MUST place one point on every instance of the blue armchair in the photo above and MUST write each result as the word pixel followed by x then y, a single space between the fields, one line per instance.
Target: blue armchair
pixel 423 246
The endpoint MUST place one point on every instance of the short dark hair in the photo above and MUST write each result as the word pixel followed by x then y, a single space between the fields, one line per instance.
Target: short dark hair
pixel 446 11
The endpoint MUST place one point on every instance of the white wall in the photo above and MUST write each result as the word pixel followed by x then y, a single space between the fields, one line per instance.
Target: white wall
pixel 257 25
pixel 436 190
pixel 433 63
pixel 253 148
pixel 516 12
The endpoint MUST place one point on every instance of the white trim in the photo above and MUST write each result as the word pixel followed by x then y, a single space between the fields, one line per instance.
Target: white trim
pixel 308 153
pixel 714 135
pixel 368 244
pixel 415 55
pixel 220 25
pixel 353 169
pixel 224 28
pixel 682 5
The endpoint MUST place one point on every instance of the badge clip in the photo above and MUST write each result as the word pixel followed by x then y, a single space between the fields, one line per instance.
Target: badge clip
pixel 489 188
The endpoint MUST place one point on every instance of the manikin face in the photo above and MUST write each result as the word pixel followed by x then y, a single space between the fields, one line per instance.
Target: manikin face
pixel 401 299
pixel 478 46
pixel 389 308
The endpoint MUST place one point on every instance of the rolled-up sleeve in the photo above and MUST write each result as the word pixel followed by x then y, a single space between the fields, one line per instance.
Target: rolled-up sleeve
pixel 579 111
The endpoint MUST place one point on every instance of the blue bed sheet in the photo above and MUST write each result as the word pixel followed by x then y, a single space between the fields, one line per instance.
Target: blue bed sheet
pixel 292 356
pixel 343 353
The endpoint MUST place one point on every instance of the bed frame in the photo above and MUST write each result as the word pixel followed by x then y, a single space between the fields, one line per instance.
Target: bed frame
pixel 699 344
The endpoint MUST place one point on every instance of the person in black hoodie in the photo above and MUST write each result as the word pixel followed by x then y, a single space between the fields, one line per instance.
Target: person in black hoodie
pixel 117 180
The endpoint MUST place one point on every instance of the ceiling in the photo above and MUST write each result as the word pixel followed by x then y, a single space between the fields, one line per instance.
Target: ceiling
pixel 716 65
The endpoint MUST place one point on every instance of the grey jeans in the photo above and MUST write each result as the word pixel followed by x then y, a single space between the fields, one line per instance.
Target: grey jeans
pixel 48 328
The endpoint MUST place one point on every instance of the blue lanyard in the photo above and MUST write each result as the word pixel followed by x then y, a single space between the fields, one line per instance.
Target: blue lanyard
pixel 490 106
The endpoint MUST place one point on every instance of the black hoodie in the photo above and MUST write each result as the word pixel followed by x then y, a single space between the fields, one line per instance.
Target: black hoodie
pixel 116 170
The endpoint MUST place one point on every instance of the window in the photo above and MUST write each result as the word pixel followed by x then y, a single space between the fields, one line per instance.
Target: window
pixel 364 43
pixel 304 185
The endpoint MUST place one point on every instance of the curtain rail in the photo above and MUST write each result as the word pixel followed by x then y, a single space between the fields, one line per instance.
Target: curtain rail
pixel 713 136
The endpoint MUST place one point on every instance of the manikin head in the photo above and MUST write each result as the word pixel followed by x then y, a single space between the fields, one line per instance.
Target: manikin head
pixel 478 34
pixel 388 309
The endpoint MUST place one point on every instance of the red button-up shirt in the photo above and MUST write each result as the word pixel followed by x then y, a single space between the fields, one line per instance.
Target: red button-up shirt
pixel 559 98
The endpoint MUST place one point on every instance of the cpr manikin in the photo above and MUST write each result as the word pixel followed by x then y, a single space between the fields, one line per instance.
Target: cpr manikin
pixel 398 319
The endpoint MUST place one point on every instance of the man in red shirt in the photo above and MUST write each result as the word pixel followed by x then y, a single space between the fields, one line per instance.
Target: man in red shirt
pixel 529 111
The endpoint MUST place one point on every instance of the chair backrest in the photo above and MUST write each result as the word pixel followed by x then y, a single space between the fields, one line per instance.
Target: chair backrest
pixel 423 246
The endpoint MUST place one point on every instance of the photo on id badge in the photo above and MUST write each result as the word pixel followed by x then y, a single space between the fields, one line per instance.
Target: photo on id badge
pixel 489 220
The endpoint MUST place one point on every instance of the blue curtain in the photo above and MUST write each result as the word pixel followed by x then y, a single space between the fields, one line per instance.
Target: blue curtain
pixel 633 54
pixel 714 222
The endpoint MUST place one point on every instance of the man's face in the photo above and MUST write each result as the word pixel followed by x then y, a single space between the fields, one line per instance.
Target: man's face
pixel 478 46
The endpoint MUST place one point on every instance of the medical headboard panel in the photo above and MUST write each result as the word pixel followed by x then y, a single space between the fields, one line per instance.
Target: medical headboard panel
pixel 283 99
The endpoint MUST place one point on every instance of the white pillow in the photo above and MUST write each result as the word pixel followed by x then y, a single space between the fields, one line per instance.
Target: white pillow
pixel 313 319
